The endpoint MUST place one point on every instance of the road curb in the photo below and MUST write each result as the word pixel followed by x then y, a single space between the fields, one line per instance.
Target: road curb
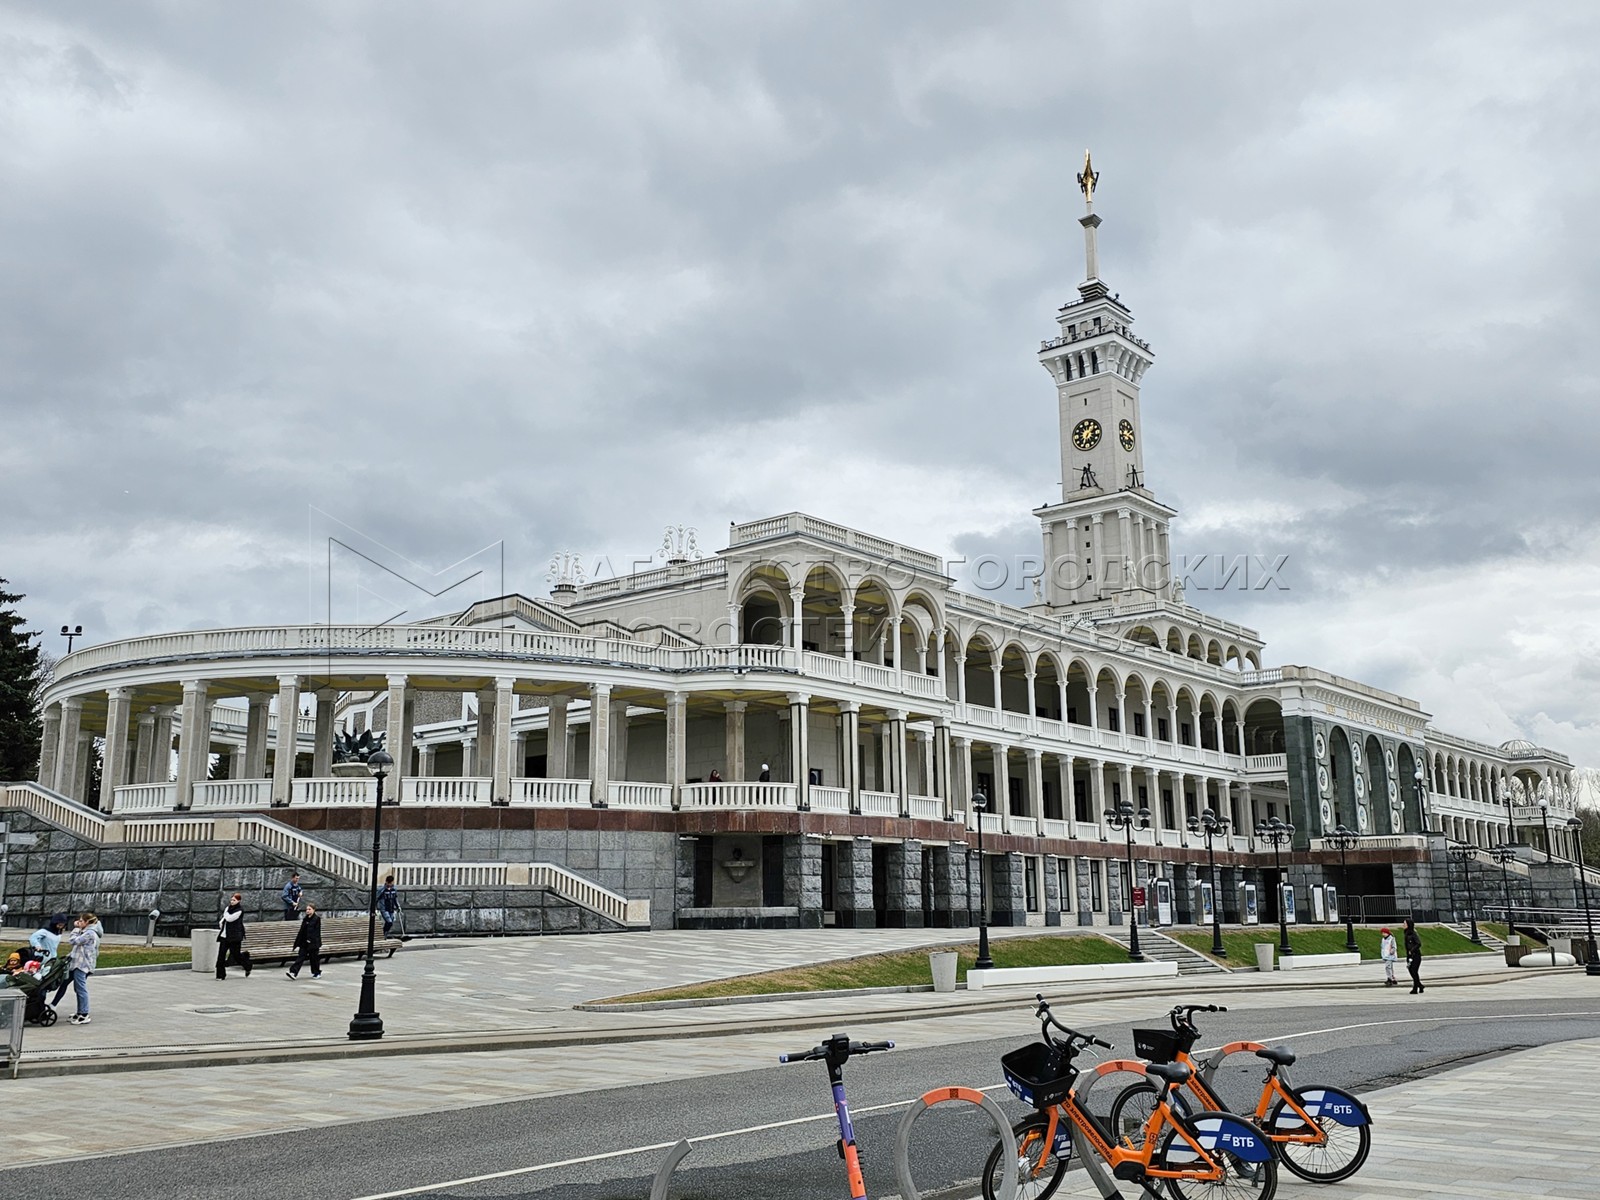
pixel 170 1058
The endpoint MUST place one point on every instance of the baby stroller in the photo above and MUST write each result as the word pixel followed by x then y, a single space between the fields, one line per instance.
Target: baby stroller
pixel 35 984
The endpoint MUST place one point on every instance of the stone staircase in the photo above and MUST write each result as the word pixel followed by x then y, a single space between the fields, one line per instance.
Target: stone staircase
pixel 1158 947
pixel 1487 938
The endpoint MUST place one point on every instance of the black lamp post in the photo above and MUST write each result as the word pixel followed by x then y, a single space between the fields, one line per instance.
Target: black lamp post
pixel 1276 833
pixel 1124 818
pixel 984 963
pixel 75 631
pixel 1211 826
pixel 1592 966
pixel 367 1025
pixel 1544 816
pixel 1503 854
pixel 1344 840
pixel 1464 854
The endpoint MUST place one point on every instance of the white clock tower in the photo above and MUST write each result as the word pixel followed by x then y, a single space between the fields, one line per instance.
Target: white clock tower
pixel 1109 533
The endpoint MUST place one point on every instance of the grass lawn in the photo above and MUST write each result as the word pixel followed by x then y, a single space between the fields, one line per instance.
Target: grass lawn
pixel 139 956
pixel 1328 940
pixel 903 968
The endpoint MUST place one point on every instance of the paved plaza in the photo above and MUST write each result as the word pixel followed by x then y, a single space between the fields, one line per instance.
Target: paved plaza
pixel 443 996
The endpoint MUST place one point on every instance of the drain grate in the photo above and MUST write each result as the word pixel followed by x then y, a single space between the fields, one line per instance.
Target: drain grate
pixel 216 1008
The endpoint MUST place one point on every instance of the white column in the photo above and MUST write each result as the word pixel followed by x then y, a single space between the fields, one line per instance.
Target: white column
pixel 144 748
pixel 504 707
pixel 556 765
pixel 322 739
pixel 797 621
pixel 483 764
pixel 733 740
pixel 677 729
pixel 1098 803
pixel 425 753
pixel 161 745
pixel 925 742
pixel 848 612
pixel 194 742
pixel 800 745
pixel 850 750
pixel 1033 701
pixel 942 765
pixel 255 737
pixel 896 726
pixel 286 744
pixel 1069 806
pixel 1000 802
pixel 395 740
pixel 734 633
pixel 1070 565
pixel 600 743
pixel 50 739
pixel 114 765
pixel 619 739
pixel 67 744
pixel 1035 798
pixel 1097 564
pixel 994 670
pixel 938 663
pixel 961 678
pixel 85 755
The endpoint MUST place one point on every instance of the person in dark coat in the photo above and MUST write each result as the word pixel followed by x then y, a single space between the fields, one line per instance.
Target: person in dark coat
pixel 308 944
pixel 230 939
pixel 1414 957
pixel 388 904
pixel 765 776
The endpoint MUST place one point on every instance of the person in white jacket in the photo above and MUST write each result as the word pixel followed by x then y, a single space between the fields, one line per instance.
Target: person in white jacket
pixel 85 942
pixel 1390 953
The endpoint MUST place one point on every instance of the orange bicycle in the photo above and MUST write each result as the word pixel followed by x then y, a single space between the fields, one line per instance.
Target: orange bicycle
pixel 1320 1133
pixel 1212 1154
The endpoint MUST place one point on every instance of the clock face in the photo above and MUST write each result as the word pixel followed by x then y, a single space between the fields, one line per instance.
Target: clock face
pixel 1125 434
pixel 1086 434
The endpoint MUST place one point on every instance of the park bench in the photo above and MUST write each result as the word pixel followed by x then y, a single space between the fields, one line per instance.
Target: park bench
pixel 269 940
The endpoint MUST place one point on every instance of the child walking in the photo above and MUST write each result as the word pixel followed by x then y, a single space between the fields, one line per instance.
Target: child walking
pixel 1390 953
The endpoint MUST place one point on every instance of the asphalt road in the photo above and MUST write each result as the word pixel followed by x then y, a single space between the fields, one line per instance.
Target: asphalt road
pixel 526 1149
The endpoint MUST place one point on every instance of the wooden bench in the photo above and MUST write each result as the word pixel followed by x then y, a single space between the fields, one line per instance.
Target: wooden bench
pixel 274 940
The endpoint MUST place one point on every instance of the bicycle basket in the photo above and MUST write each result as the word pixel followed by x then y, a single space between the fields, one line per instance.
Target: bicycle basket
pixel 1157 1045
pixel 1039 1075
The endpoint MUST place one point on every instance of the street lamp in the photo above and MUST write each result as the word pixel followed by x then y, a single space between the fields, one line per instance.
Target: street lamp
pixel 1277 834
pixel 75 631
pixel 1592 966
pixel 1464 854
pixel 984 963
pixel 1503 854
pixel 1344 840
pixel 1209 825
pixel 1124 818
pixel 1544 816
pixel 367 1025
pixel 1511 822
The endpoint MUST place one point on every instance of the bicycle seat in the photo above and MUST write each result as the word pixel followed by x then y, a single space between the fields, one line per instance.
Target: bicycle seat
pixel 1173 1073
pixel 1277 1055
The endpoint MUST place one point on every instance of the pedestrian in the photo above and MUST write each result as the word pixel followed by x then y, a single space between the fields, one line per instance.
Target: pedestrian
pixel 715 776
pixel 388 904
pixel 292 891
pixel 230 939
pixel 85 941
pixel 1414 957
pixel 45 939
pixel 308 944
pixel 765 776
pixel 1387 952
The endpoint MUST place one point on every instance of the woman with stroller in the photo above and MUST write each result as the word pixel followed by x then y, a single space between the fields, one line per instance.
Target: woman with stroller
pixel 230 938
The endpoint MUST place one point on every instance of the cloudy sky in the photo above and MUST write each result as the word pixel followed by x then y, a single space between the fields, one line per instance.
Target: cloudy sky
pixel 549 276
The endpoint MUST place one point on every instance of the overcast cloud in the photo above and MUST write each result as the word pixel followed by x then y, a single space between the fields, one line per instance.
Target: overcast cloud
pixel 559 274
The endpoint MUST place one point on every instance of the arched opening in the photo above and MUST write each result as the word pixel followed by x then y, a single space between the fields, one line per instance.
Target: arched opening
pixel 1379 784
pixel 1186 718
pixel 1105 696
pixel 1047 687
pixel 1208 722
pixel 1174 640
pixel 822 612
pixel 1135 701
pixel 1161 710
pixel 875 626
pixel 1263 727
pixel 1342 780
pixel 1253 657
pixel 1143 635
pixel 1405 770
pixel 1079 704
pixel 1230 727
pixel 1214 653
pixel 1196 647
pixel 980 671
pixel 923 613
pixel 1013 679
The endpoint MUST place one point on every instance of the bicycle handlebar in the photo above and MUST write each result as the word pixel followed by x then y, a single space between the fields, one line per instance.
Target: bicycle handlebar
pixel 1182 1016
pixel 833 1047
pixel 1046 1020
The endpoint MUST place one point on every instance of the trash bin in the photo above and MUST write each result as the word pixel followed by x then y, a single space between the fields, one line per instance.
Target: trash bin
pixel 12 1005
pixel 203 950
pixel 943 965
pixel 1264 952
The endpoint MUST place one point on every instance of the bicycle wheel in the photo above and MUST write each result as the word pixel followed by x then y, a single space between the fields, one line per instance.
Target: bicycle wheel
pixel 1130 1112
pixel 1338 1156
pixel 1240 1180
pixel 1039 1170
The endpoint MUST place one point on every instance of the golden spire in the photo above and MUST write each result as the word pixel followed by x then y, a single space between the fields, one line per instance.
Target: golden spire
pixel 1087 178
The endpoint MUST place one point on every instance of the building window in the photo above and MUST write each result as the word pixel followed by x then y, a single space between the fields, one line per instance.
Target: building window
pixel 1080 799
pixel 1113 720
pixel 1116 793
pixel 1185 733
pixel 1064 882
pixel 1138 724
pixel 1162 730
pixel 1097 886
pixel 1030 883
pixel 1166 808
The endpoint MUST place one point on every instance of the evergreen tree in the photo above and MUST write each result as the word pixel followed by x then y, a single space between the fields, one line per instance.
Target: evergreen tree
pixel 21 675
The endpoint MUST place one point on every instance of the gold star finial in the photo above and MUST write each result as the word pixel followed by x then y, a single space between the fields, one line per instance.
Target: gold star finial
pixel 1087 178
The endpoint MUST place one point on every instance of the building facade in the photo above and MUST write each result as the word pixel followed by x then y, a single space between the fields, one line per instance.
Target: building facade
pixel 791 730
